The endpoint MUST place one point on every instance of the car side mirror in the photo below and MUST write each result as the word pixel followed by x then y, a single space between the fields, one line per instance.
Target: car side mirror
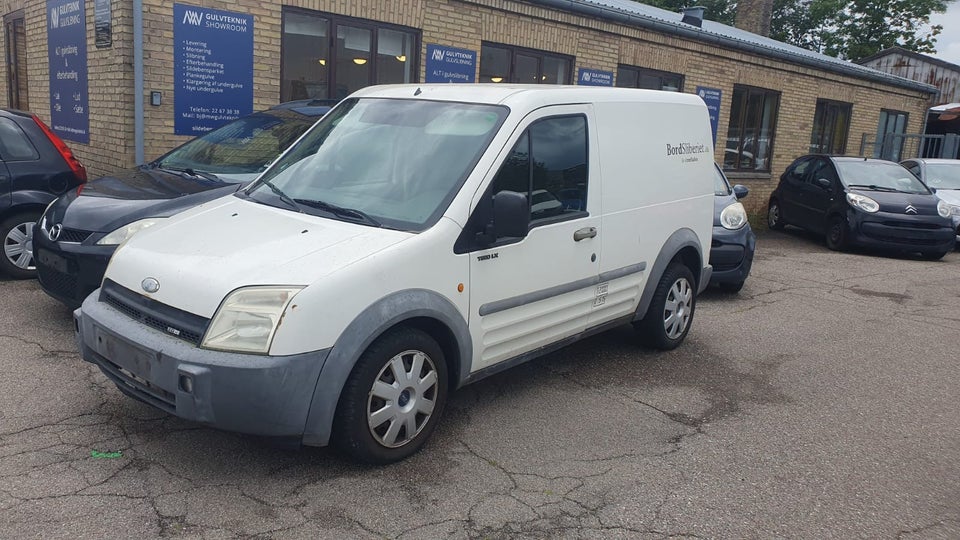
pixel 511 215
pixel 740 191
pixel 824 183
pixel 932 189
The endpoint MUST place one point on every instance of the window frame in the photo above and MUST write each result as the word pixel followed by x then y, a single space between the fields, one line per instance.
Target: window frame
pixel 823 110
pixel 747 92
pixel 514 50
pixel 650 72
pixel 15 98
pixel 880 148
pixel 334 20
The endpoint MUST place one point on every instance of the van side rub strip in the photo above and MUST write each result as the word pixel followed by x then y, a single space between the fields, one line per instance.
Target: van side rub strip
pixel 509 303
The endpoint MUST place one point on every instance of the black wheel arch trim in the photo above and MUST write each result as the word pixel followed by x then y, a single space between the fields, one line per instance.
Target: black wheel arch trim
pixel 679 240
pixel 376 319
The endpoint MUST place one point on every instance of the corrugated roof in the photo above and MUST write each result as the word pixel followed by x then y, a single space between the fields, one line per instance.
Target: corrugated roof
pixel 645 16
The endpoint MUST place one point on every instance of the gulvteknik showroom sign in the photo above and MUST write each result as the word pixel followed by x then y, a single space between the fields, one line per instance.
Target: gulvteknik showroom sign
pixel 213 68
pixel 67 57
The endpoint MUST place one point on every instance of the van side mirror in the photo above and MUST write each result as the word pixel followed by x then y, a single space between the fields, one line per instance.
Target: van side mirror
pixel 824 183
pixel 511 215
pixel 740 191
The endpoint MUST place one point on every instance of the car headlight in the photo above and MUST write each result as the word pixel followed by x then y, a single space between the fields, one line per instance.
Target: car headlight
pixel 945 209
pixel 248 318
pixel 733 216
pixel 120 235
pixel 864 203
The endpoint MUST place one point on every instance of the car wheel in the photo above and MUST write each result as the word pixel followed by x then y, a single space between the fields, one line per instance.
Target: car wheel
pixel 775 216
pixel 933 255
pixel 17 233
pixel 393 399
pixel 670 314
pixel 732 288
pixel 837 234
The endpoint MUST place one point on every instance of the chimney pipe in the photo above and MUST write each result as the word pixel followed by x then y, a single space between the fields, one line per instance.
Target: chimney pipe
pixel 693 16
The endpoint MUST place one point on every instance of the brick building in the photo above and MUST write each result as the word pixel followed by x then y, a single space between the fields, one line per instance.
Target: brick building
pixel 140 76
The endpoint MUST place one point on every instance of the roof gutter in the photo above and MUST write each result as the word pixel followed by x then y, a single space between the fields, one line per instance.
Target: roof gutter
pixel 589 9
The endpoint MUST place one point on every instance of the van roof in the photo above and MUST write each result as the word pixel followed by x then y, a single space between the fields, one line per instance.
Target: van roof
pixel 527 96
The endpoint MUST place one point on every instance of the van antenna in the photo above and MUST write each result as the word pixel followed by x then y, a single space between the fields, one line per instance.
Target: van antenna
pixel 418 92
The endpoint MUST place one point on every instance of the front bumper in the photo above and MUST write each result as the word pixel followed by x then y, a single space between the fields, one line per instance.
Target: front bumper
pixel 898 232
pixel 69 272
pixel 258 395
pixel 731 254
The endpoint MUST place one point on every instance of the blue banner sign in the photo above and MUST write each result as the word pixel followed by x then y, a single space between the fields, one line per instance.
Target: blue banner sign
pixel 449 64
pixel 67 57
pixel 711 96
pixel 212 68
pixel 594 77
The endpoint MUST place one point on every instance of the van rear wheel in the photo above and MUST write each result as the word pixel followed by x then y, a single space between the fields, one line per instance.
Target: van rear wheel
pixel 393 399
pixel 670 314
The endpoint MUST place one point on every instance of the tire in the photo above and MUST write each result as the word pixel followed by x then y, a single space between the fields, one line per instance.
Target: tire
pixel 659 327
pixel 838 234
pixel 378 396
pixel 932 255
pixel 775 216
pixel 731 288
pixel 17 234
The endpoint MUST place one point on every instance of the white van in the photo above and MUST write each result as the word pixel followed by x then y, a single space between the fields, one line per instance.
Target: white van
pixel 393 254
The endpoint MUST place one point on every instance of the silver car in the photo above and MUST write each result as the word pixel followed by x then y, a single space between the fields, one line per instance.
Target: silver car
pixel 942 176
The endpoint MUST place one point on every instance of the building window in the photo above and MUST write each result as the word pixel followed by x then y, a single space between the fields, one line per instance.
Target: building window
pixel 503 63
pixel 753 120
pixel 650 79
pixel 16 41
pixel 329 57
pixel 831 123
pixel 889 146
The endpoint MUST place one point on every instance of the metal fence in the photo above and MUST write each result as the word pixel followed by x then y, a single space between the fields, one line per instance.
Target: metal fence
pixel 900 146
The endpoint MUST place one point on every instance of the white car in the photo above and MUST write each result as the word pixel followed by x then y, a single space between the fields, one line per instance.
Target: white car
pixel 943 177
pixel 394 254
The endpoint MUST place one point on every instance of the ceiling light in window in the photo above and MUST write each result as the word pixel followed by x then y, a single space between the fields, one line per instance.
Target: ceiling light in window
pixel 402 58
pixel 359 61
pixel 543 78
pixel 496 79
pixel 322 62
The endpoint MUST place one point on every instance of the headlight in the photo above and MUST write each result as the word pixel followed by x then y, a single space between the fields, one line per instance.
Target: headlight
pixel 945 209
pixel 248 318
pixel 123 233
pixel 733 216
pixel 864 203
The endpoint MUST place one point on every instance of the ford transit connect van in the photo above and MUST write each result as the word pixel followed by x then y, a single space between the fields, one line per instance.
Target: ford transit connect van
pixel 415 240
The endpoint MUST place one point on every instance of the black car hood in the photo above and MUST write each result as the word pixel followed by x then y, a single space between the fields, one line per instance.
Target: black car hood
pixel 896 203
pixel 113 201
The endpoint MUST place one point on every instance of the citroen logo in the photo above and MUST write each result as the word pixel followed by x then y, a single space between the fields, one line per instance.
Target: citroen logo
pixel 54 232
pixel 150 285
pixel 911 209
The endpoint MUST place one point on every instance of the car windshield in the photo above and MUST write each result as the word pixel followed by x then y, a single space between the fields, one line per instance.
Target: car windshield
pixel 879 176
pixel 245 146
pixel 395 163
pixel 943 175
pixel 720 185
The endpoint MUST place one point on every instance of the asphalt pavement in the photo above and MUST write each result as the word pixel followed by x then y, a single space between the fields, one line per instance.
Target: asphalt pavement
pixel 822 401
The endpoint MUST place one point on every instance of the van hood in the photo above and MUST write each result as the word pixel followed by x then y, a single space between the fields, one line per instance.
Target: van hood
pixel 205 253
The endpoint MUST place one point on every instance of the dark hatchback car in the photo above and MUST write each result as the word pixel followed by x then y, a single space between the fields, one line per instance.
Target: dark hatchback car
pixel 78 234
pixel 731 253
pixel 859 201
pixel 35 167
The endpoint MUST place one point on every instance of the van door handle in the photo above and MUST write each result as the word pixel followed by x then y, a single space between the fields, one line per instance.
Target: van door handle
pixel 586 232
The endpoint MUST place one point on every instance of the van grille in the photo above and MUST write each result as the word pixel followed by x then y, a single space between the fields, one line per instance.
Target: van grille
pixel 167 319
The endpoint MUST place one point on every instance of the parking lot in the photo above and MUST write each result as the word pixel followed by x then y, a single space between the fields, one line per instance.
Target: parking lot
pixel 822 401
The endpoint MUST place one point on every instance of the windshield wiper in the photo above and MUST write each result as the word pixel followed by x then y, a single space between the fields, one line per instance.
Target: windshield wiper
pixel 189 171
pixel 875 187
pixel 283 196
pixel 350 213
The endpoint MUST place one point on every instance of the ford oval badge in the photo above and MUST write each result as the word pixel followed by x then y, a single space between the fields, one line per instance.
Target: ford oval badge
pixel 151 285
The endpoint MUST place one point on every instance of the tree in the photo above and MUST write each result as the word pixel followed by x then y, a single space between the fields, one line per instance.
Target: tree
pixel 856 29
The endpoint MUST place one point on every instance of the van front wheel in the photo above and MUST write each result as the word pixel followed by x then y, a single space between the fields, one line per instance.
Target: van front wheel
pixel 670 314
pixel 393 398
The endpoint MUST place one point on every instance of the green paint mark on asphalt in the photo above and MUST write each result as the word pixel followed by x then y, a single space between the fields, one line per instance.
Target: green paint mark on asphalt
pixel 114 454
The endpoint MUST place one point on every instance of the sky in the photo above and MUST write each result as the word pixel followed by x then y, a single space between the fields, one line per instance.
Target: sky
pixel 948 42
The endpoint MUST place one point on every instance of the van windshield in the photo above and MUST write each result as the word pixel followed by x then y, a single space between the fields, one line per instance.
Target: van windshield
pixel 382 162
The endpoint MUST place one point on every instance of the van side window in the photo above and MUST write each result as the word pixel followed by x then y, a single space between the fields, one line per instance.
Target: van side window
pixel 549 164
